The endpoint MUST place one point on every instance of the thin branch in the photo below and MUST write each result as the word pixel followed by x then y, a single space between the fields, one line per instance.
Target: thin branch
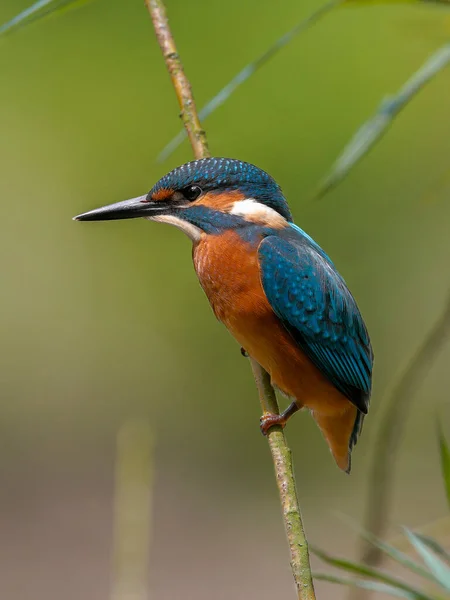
pixel 382 471
pixel 282 459
pixel 374 128
pixel 281 453
pixel 180 82
pixel 249 69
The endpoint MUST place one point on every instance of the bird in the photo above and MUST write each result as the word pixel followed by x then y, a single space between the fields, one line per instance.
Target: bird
pixel 272 286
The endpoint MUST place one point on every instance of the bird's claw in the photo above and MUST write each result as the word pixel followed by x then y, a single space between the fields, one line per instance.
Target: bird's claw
pixel 268 420
pixel 244 352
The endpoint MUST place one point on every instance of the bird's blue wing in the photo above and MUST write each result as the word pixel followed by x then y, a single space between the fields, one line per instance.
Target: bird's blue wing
pixel 316 307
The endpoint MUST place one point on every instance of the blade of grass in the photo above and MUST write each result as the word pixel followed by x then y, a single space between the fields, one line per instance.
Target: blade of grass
pixel 38 11
pixel 373 129
pixel 22 18
pixel 372 586
pixel 435 546
pixel 445 461
pixel 399 557
pixel 393 552
pixel 251 68
pixel 433 530
pixel 361 569
pixel 439 569
pixel 388 549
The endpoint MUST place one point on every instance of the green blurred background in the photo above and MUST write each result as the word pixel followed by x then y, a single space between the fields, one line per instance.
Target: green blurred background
pixel 105 322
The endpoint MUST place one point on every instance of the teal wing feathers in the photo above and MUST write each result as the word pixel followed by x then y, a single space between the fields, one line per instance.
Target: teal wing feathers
pixel 312 300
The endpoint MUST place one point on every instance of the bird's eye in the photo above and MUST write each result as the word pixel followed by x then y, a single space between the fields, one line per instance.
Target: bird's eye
pixel 192 192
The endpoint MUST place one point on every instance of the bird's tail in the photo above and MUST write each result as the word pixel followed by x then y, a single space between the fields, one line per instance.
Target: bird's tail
pixel 356 431
pixel 357 428
pixel 341 431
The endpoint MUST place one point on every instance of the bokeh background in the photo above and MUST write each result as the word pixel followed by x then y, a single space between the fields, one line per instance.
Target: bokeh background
pixel 105 322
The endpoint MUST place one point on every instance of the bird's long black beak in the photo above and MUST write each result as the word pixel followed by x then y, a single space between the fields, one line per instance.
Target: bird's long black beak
pixel 128 209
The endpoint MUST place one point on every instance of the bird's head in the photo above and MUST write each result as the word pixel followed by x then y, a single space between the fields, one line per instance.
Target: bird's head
pixel 206 196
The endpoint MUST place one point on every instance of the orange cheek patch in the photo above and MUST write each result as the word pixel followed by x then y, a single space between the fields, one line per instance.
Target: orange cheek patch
pixel 162 194
pixel 222 202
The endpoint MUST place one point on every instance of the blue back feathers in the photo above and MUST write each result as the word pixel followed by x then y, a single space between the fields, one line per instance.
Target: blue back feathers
pixel 227 174
pixel 312 300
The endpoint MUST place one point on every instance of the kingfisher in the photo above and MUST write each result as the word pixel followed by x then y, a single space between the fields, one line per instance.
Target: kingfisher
pixel 272 286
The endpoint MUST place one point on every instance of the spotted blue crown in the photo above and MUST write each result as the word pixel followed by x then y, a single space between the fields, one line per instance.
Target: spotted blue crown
pixel 227 174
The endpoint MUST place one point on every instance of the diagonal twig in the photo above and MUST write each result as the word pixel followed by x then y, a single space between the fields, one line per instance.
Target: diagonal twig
pixel 180 82
pixel 281 454
pixel 282 458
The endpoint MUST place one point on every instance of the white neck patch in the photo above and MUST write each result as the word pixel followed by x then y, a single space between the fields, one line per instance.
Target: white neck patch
pixel 257 212
pixel 193 232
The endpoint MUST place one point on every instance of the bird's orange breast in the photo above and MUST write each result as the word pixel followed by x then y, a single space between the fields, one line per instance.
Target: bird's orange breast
pixel 229 272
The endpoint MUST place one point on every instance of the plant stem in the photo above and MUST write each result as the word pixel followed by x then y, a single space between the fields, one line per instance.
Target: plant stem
pixel 282 460
pixel 281 453
pixel 180 82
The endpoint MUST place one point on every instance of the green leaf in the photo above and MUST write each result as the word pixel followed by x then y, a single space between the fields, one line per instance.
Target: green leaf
pixel 373 586
pixel 251 68
pixel 445 461
pixel 360 569
pixel 373 129
pixel 439 569
pixel 39 10
pixel 434 545
pixel 399 557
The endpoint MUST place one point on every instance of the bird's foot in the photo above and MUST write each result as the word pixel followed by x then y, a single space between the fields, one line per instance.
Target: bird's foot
pixel 244 352
pixel 268 419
